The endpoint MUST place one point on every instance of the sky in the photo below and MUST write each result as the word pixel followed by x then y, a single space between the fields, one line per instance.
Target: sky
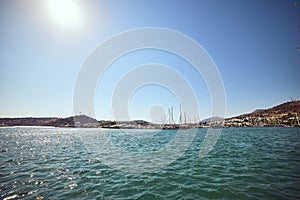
pixel 254 45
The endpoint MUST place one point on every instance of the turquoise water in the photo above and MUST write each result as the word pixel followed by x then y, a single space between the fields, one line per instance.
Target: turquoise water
pixel 246 163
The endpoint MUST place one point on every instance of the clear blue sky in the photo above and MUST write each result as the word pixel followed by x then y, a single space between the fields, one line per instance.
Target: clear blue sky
pixel 253 43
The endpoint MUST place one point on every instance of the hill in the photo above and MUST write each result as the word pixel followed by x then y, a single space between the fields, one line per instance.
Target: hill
pixel 80 121
pixel 212 119
pixel 286 114
pixel 290 107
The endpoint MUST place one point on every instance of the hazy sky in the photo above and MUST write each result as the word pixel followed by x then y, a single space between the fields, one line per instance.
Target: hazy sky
pixel 253 43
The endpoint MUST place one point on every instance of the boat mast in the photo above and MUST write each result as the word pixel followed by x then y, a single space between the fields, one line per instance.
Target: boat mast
pixel 172 112
pixel 180 116
pixel 169 115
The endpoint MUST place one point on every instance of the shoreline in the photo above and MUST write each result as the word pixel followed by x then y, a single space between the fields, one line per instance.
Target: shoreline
pixel 283 115
pixel 144 128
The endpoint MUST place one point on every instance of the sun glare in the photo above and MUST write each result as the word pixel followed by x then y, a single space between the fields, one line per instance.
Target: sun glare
pixel 65 13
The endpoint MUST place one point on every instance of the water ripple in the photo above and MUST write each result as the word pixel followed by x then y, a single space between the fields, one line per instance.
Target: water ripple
pixel 246 163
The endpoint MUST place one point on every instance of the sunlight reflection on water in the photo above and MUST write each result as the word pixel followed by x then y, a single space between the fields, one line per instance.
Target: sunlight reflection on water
pixel 246 163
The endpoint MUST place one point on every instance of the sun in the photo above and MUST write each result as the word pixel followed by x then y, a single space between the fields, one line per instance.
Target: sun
pixel 65 13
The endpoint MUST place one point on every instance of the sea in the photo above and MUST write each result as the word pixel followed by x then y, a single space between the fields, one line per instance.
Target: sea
pixel 78 163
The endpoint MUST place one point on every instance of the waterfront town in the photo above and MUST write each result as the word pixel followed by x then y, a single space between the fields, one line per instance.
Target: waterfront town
pixel 283 115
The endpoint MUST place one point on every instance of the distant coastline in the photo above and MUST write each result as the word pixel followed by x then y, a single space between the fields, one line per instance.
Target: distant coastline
pixel 283 115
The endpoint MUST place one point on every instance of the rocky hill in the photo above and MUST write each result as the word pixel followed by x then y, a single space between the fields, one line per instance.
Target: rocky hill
pixel 290 107
pixel 286 114
pixel 80 121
